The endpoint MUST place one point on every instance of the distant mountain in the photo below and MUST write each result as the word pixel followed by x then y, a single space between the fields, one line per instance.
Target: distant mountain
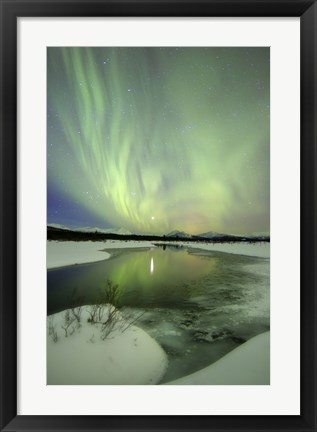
pixel 211 234
pixel 58 226
pixel 120 231
pixel 180 234
pixel 58 231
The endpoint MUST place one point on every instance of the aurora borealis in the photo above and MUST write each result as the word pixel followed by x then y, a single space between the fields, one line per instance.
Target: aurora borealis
pixel 159 139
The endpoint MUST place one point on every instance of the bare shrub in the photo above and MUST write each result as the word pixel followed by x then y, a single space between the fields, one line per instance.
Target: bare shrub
pixel 92 311
pixel 106 312
pixel 52 329
pixel 130 322
pixel 110 294
pixel 77 311
pixel 69 319
pixel 111 322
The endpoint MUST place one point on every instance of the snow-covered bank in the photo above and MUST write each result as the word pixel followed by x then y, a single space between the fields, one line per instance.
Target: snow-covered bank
pixel 83 357
pixel 249 364
pixel 228 294
pixel 260 249
pixel 64 253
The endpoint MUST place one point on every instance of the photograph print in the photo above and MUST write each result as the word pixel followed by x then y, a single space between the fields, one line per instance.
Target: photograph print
pixel 158 215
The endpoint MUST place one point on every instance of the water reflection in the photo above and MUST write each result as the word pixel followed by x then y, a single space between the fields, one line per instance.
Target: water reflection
pixel 152 265
pixel 167 282
pixel 198 305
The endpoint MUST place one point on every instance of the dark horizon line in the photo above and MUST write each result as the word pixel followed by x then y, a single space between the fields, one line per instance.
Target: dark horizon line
pixel 68 234
pixel 112 230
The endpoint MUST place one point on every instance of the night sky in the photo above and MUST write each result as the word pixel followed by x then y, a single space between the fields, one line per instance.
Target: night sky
pixel 159 139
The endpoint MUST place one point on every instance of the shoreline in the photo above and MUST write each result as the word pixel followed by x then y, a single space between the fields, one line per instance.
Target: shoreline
pixel 82 356
pixel 68 253
pixel 248 364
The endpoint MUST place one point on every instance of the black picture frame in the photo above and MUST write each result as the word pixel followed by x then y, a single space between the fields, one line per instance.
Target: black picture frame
pixel 10 11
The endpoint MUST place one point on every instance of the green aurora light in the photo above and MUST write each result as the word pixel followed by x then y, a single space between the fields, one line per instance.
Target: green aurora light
pixel 156 139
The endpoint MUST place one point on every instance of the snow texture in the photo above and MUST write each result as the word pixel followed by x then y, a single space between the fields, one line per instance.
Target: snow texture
pixel 249 364
pixel 63 253
pixel 133 357
pixel 83 357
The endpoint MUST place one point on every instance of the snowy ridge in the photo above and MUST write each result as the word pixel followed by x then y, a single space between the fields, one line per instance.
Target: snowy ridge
pixel 209 235
pixel 212 234
pixel 176 233
pixel 125 357
pixel 120 231
pixel 58 226
pixel 248 364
